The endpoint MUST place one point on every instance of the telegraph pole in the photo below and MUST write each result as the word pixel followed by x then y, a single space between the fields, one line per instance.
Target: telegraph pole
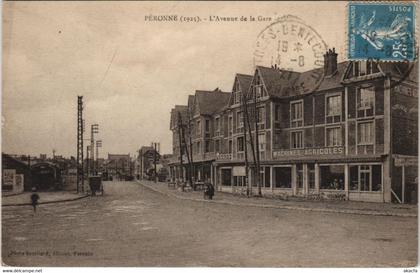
pixel 80 130
pixel 94 129
pixel 155 145
pixel 98 145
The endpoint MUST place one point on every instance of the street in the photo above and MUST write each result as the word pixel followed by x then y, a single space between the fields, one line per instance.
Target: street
pixel 135 226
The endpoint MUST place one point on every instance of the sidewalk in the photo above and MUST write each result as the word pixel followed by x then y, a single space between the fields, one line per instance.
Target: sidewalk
pixel 348 207
pixel 45 198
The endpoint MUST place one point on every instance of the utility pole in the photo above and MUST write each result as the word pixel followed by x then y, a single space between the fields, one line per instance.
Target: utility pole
pixel 98 145
pixel 155 145
pixel 80 131
pixel 245 118
pixel 184 143
pixel 87 160
pixel 258 176
pixel 94 129
pixel 180 150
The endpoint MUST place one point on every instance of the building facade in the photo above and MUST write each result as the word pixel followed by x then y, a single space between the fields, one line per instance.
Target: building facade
pixel 351 135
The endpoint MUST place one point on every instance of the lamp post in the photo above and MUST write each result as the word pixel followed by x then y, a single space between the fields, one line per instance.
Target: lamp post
pixel 94 129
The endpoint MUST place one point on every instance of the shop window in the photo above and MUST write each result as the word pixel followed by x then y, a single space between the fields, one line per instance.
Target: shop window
pixel 296 114
pixel 226 177
pixel 296 140
pixel 333 136
pixel 365 101
pixel 265 177
pixel 311 176
pixel 333 109
pixel 365 178
pixel 332 177
pixel 282 177
pixel 299 175
pixel 239 181
pixel 366 134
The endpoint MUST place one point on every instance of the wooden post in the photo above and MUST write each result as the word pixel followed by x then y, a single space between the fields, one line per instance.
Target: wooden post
pixel 403 185
pixel 346 180
pixel 317 178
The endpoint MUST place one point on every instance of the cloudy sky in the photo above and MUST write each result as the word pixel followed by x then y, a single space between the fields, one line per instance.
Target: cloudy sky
pixel 130 72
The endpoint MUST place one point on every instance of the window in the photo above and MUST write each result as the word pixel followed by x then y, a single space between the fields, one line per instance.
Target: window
pixel 363 68
pixel 239 120
pixel 237 97
pixel 239 181
pixel 230 125
pixel 261 142
pixel 240 141
pixel 332 177
pixel 207 146
pixel 230 146
pixel 198 128
pixel 333 136
pixel 333 109
pixel 260 115
pixel 365 178
pixel 277 113
pixel 296 140
pixel 198 147
pixel 365 133
pixel 207 125
pixel 296 114
pixel 217 145
pixel 365 101
pixel 282 177
pixel 217 125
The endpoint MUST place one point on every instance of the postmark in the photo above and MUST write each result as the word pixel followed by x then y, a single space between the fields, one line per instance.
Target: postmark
pixel 381 30
pixel 289 44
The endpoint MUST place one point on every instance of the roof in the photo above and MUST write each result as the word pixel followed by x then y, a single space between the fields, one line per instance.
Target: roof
pixel 209 102
pixel 118 156
pixel 183 110
pixel 278 82
pixel 244 81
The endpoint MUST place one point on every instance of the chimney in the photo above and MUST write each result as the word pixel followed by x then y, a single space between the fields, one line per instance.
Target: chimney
pixel 330 62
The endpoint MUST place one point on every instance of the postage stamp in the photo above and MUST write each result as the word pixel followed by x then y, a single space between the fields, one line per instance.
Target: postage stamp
pixel 382 31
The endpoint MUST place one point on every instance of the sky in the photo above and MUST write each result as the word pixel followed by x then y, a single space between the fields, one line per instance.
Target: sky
pixel 130 71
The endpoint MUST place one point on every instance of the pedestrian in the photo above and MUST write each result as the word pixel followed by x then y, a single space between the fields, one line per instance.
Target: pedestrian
pixel 34 199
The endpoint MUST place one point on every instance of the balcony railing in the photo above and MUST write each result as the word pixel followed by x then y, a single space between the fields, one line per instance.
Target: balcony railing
pixel 220 156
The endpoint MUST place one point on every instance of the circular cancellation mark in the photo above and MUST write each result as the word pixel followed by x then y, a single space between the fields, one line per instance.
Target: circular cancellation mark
pixel 291 45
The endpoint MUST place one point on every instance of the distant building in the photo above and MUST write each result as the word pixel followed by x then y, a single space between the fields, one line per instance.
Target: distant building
pixel 118 166
pixel 144 163
pixel 16 175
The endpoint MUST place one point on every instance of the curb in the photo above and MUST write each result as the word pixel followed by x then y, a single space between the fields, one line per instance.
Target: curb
pixel 47 202
pixel 345 211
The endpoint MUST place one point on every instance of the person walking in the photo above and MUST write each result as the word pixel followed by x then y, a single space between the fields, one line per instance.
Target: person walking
pixel 34 199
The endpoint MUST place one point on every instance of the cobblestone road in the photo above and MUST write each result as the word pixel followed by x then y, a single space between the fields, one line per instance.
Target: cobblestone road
pixel 134 226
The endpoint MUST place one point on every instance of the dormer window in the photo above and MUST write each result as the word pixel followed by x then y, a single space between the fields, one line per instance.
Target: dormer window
pixel 258 88
pixel 362 68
